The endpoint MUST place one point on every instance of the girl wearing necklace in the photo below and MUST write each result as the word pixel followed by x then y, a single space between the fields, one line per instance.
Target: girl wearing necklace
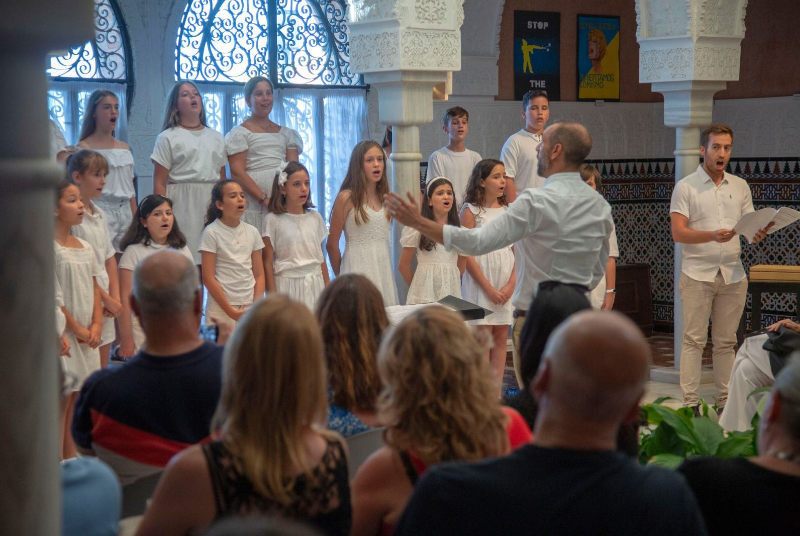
pixel 257 147
pixel 740 495
pixel 188 159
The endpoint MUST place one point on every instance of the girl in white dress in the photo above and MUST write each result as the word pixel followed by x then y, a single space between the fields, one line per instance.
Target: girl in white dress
pixel 257 147
pixel 603 295
pixel 294 263
pixel 491 277
pixel 359 211
pixel 87 170
pixel 76 269
pixel 188 159
pixel 118 201
pixel 231 251
pixel 438 271
pixel 154 227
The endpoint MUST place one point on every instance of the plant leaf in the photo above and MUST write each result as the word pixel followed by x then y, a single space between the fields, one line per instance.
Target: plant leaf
pixel 733 446
pixel 704 406
pixel 660 400
pixel 680 423
pixel 649 414
pixel 670 461
pixel 709 436
pixel 758 391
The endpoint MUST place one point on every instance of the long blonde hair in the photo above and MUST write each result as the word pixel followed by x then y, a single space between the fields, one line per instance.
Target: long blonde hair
pixel 439 396
pixel 273 394
pixel 89 124
pixel 356 181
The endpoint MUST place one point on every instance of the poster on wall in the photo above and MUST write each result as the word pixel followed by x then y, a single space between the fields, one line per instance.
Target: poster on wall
pixel 598 58
pixel 536 53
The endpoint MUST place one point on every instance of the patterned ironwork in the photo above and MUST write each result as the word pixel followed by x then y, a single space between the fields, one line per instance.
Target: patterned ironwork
pixel 57 106
pixel 234 40
pixel 101 59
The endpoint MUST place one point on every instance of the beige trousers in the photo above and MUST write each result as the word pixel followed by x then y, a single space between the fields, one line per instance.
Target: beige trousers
pixel 724 304
pixel 516 330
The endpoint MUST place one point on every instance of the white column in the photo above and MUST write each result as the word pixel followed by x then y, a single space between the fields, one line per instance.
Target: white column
pixel 688 51
pixel 30 487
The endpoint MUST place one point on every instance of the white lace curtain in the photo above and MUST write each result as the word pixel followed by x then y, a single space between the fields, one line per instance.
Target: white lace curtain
pixel 329 121
pixel 66 103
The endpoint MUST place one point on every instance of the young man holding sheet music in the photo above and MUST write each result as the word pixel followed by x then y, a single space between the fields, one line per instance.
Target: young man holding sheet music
pixel 705 207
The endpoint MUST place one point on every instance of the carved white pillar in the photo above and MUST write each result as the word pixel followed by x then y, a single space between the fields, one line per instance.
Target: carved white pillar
pixel 404 48
pixel 30 487
pixel 688 51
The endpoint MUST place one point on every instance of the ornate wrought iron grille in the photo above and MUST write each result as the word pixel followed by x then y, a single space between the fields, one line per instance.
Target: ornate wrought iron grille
pixel 104 59
pixel 292 42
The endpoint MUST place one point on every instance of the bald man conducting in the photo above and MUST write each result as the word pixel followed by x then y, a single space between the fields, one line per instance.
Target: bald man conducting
pixel 570 480
pixel 560 230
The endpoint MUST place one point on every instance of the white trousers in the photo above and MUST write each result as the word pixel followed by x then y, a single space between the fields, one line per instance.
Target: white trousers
pixel 751 370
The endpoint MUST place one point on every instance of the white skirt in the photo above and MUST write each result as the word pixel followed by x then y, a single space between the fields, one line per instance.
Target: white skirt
pixel 305 289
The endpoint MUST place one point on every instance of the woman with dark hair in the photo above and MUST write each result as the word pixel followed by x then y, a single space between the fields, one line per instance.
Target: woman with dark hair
pixel 554 303
pixel 353 318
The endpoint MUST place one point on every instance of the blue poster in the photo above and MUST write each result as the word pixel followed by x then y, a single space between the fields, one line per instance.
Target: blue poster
pixel 598 58
pixel 537 64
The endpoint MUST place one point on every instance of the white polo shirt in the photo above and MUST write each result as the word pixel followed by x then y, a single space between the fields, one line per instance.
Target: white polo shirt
pixel 710 207
pixel 455 166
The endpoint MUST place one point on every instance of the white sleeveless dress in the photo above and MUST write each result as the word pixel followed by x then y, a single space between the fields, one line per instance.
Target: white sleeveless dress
pixel 495 267
pixel 367 252
pixel 437 273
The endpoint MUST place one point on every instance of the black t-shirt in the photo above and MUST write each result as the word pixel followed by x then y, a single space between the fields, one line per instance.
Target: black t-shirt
pixel 537 490
pixel 737 496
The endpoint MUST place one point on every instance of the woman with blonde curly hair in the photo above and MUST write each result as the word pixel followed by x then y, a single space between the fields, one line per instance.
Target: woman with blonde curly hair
pixel 353 319
pixel 272 456
pixel 439 403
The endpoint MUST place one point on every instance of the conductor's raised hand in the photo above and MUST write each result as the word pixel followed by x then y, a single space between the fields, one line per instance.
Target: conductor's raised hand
pixel 405 212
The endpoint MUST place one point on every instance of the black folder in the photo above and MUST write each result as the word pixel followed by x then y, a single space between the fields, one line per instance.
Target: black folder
pixel 469 311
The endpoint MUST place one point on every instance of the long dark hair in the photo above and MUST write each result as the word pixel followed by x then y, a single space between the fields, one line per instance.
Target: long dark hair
pixel 137 233
pixel 356 181
pixel 426 243
pixel 217 192
pixel 277 201
pixel 475 193
pixel 554 303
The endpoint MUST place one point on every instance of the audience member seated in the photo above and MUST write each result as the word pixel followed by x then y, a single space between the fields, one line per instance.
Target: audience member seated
pixel 439 403
pixel 137 416
pixel 758 361
pixel 760 494
pixel 353 318
pixel 554 303
pixel 260 526
pixel 570 480
pixel 273 456
pixel 91 499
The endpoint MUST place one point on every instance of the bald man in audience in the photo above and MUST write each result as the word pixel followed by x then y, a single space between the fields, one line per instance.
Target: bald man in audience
pixel 569 480
pixel 138 415
pixel 560 231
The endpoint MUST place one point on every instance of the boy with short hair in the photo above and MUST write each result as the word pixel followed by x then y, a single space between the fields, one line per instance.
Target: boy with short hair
pixel 519 152
pixel 454 161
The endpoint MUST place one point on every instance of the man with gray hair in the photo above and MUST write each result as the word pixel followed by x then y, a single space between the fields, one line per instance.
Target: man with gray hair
pixel 570 480
pixel 138 415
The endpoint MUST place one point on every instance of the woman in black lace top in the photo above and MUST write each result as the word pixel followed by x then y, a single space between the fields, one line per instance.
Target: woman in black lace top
pixel 273 456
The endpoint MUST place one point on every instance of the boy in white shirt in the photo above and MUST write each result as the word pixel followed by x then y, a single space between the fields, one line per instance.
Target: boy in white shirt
pixel 454 161
pixel 519 152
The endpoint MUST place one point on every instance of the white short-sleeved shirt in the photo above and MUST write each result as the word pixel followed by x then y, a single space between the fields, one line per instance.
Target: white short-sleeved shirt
pixel 136 253
pixel 190 155
pixel 296 240
pixel 119 181
pixel 234 247
pixel 455 166
pixel 710 207
pixel 94 229
pixel 520 159
pixel 560 233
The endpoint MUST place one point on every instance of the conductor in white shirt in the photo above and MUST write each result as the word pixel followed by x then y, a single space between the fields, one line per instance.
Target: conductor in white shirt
pixel 560 230
pixel 705 207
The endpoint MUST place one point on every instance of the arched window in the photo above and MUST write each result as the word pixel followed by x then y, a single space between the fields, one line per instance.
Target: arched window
pixel 302 47
pixel 99 64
